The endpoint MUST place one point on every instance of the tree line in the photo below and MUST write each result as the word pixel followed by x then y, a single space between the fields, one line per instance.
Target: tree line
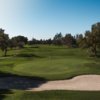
pixel 90 39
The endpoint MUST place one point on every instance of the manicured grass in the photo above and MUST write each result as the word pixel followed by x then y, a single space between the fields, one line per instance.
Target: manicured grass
pixel 52 95
pixel 54 69
pixel 49 62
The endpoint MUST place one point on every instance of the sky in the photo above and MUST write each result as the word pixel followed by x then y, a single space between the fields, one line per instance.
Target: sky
pixel 44 18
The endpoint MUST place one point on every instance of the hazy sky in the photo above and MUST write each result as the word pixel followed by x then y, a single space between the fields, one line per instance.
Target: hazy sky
pixel 45 18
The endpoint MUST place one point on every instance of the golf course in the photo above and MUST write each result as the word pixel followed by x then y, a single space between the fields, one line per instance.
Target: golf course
pixel 35 65
pixel 49 50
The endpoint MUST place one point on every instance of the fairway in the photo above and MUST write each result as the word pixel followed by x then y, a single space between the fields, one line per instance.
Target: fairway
pixel 54 69
pixel 33 66
pixel 49 50
pixel 50 62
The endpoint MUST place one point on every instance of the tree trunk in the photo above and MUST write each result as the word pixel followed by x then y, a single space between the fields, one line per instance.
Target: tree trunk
pixel 95 49
pixel 95 46
pixel 5 52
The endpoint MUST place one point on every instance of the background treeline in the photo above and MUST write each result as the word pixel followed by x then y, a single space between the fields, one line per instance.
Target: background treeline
pixel 58 39
pixel 89 39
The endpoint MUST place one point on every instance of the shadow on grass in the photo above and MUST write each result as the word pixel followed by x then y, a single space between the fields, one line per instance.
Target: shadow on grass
pixel 4 92
pixel 27 55
pixel 34 47
pixel 11 81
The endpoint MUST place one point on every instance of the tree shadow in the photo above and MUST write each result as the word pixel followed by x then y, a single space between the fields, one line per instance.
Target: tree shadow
pixel 12 81
pixel 4 92
pixel 28 55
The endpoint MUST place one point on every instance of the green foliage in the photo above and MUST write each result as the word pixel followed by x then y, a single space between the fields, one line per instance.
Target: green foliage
pixel 58 39
pixel 91 40
pixel 69 40
pixel 3 41
pixel 18 41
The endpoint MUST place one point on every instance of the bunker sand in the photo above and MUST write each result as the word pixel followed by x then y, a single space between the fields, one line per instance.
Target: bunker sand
pixel 83 82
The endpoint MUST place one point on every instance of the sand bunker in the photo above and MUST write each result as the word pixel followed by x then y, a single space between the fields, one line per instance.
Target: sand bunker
pixel 83 82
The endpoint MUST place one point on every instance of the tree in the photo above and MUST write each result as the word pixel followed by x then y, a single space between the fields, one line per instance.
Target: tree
pixel 19 41
pixel 79 40
pixel 93 39
pixel 69 40
pixel 49 41
pixel 4 38
pixel 58 39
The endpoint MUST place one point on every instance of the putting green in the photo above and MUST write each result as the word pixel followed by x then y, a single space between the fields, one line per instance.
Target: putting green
pixel 53 68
